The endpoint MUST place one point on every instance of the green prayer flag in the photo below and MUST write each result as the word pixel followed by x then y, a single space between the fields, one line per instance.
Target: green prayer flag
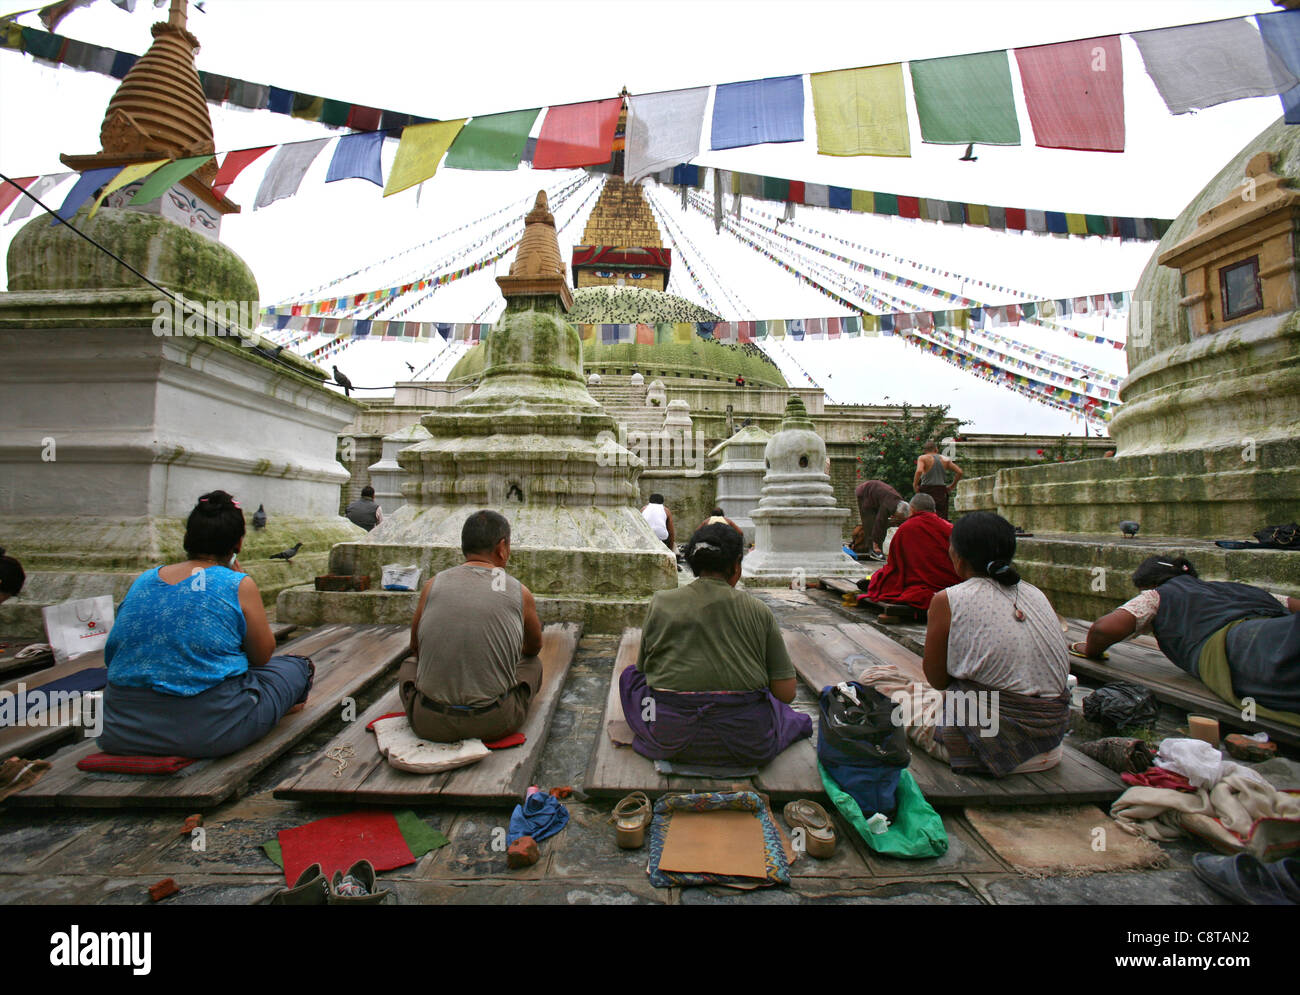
pixel 1097 224
pixel 966 98
pixel 492 141
pixel 775 188
pixel 886 203
pixel 663 333
pixel 335 112
pixel 166 177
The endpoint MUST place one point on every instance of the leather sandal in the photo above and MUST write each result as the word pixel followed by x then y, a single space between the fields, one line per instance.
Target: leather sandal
pixel 818 830
pixel 631 816
pixel 311 888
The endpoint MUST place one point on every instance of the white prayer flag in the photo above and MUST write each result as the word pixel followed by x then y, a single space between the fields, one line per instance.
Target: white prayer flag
pixel 663 129
pixel 287 170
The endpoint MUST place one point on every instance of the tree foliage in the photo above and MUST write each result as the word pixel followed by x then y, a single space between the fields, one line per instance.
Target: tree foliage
pixel 889 452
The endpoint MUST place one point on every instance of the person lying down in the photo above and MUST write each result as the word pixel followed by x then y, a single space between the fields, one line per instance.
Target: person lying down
pixel 713 681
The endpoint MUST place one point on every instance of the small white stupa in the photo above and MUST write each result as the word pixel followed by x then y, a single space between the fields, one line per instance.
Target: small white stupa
pixel 797 525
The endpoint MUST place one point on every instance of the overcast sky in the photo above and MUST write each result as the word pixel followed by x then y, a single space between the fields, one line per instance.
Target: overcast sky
pixel 457 59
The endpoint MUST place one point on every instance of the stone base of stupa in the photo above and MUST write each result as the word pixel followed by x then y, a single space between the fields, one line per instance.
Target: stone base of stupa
pixel 798 544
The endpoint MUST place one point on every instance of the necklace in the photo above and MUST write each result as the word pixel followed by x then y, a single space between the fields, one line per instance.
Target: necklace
pixel 1019 613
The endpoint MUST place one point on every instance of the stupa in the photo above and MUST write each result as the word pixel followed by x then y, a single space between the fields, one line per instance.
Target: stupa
pixel 524 443
pixel 797 525
pixel 740 475
pixel 118 410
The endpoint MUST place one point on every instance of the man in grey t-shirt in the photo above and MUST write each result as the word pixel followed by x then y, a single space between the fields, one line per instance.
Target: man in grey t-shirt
pixel 365 512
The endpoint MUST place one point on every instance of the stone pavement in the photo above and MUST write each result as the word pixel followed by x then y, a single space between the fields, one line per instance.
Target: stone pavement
pixel 112 857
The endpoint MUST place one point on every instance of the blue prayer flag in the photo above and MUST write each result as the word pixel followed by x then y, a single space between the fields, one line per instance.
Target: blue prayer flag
pixel 280 101
pixel 84 189
pixel 357 155
pixel 1281 31
pixel 758 111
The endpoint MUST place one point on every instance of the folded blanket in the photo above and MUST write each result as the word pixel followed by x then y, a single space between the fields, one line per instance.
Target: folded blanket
pixel 406 751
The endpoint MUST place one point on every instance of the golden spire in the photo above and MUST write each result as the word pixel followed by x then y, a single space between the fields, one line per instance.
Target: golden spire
pixel 538 269
pixel 159 110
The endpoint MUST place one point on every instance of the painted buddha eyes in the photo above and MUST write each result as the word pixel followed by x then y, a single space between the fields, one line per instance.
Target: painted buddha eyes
pixel 609 274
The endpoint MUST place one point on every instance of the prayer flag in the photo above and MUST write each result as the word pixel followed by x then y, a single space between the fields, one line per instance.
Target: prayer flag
pixel 38 189
pixel 576 135
pixel 663 129
pixel 683 332
pixel 11 189
pixel 492 141
pixel 966 98
pixel 645 335
pixel 1201 65
pixel 128 174
pixel 758 111
pixel 419 153
pixel 1075 94
pixel 167 177
pixel 663 333
pixel 861 112
pixel 287 170
pixel 1281 31
pixel 232 165
pixel 357 157
pixel 85 187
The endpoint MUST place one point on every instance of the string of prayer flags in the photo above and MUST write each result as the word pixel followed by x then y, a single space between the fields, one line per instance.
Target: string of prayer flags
pixel 492 141
pixel 286 171
pixel 233 164
pixel 11 189
pixel 575 135
pixel 1201 65
pixel 166 177
pixel 127 174
pixel 38 189
pixel 757 111
pixel 861 112
pixel 85 187
pixel 421 149
pixel 1281 32
pixel 966 98
pixel 1075 94
pixel 357 156
pixel 662 128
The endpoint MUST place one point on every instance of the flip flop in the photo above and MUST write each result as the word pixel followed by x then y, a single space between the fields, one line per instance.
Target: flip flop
pixel 1084 656
pixel 1242 878
pixel 818 830
pixel 631 817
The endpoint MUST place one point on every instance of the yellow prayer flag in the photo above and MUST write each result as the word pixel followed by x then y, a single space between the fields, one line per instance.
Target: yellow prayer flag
pixel 1076 224
pixel 310 111
pixel 871 324
pixel 683 332
pixel 129 174
pixel 588 332
pixel 421 149
pixel 776 329
pixel 864 202
pixel 861 112
pixel 977 214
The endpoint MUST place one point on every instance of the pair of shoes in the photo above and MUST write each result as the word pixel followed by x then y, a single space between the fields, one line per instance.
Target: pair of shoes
pixel 818 830
pixel 630 818
pixel 357 886
pixel 1247 881
pixel 311 888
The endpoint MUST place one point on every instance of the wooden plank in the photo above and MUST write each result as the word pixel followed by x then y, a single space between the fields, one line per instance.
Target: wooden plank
pixel 1140 663
pixel 839 585
pixel 616 771
pixel 823 655
pixel 347 659
pixel 281 629
pixel 500 779
pixel 29 740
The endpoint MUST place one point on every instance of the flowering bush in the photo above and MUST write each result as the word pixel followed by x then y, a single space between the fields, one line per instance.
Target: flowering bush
pixel 889 452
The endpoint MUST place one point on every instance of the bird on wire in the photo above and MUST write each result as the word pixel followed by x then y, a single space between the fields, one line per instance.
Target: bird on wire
pixel 343 381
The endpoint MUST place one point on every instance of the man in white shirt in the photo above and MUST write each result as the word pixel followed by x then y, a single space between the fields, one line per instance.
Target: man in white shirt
pixel 661 520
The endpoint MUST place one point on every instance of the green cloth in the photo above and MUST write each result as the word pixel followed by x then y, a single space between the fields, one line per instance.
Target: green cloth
pixel 335 112
pixel 886 203
pixel 492 141
pixel 966 98
pixel 1213 670
pixel 166 177
pixel 419 836
pixel 775 188
pixel 916 832
pixel 707 636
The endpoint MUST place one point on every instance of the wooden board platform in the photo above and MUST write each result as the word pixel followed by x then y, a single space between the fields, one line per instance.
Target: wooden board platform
pixel 1140 660
pixel 614 771
pixel 29 740
pixel 347 658
pixel 500 779
pixel 828 654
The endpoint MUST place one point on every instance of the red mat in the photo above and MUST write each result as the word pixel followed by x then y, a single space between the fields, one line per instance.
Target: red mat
pixel 340 841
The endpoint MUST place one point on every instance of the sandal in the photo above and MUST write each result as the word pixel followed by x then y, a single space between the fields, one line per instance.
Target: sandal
pixel 818 830
pixel 1241 878
pixel 631 816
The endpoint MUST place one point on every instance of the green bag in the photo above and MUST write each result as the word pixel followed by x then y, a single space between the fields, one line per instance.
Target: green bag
pixel 917 831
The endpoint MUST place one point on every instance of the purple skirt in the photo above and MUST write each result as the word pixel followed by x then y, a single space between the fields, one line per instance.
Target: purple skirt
pixel 740 728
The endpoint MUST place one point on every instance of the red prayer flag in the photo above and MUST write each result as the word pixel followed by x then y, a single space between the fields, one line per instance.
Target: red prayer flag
pixel 576 135
pixel 232 165
pixel 796 194
pixel 645 335
pixel 9 191
pixel 909 207
pixel 364 118
pixel 1016 218
pixel 1074 91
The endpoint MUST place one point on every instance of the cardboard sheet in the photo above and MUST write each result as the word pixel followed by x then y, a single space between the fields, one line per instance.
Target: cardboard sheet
pixel 721 842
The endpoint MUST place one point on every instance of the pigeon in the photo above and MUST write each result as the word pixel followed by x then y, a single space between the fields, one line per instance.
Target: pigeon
pixel 969 156
pixel 287 554
pixel 259 518
pixel 343 381
pixel 410 367
pixel 1129 529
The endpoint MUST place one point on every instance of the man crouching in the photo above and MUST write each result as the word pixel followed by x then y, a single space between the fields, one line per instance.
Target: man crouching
pixel 475 639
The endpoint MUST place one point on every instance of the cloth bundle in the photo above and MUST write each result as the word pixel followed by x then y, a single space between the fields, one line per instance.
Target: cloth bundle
pixel 406 751
pixel 1121 754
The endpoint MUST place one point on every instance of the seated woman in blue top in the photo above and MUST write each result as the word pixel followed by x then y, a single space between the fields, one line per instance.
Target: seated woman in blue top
pixel 190 670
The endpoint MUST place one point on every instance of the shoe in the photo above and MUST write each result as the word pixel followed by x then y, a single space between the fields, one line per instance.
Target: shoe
pixel 1286 875
pixel 631 816
pixel 819 831
pixel 357 886
pixel 311 888
pixel 1241 878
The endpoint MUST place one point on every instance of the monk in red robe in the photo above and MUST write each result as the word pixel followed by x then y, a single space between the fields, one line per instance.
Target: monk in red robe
pixel 917 566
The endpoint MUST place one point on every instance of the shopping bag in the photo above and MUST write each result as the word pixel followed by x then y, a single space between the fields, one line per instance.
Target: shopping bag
pixel 75 628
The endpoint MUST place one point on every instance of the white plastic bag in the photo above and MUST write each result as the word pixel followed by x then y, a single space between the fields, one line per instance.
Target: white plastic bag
pixel 75 628
pixel 399 578
pixel 1199 762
